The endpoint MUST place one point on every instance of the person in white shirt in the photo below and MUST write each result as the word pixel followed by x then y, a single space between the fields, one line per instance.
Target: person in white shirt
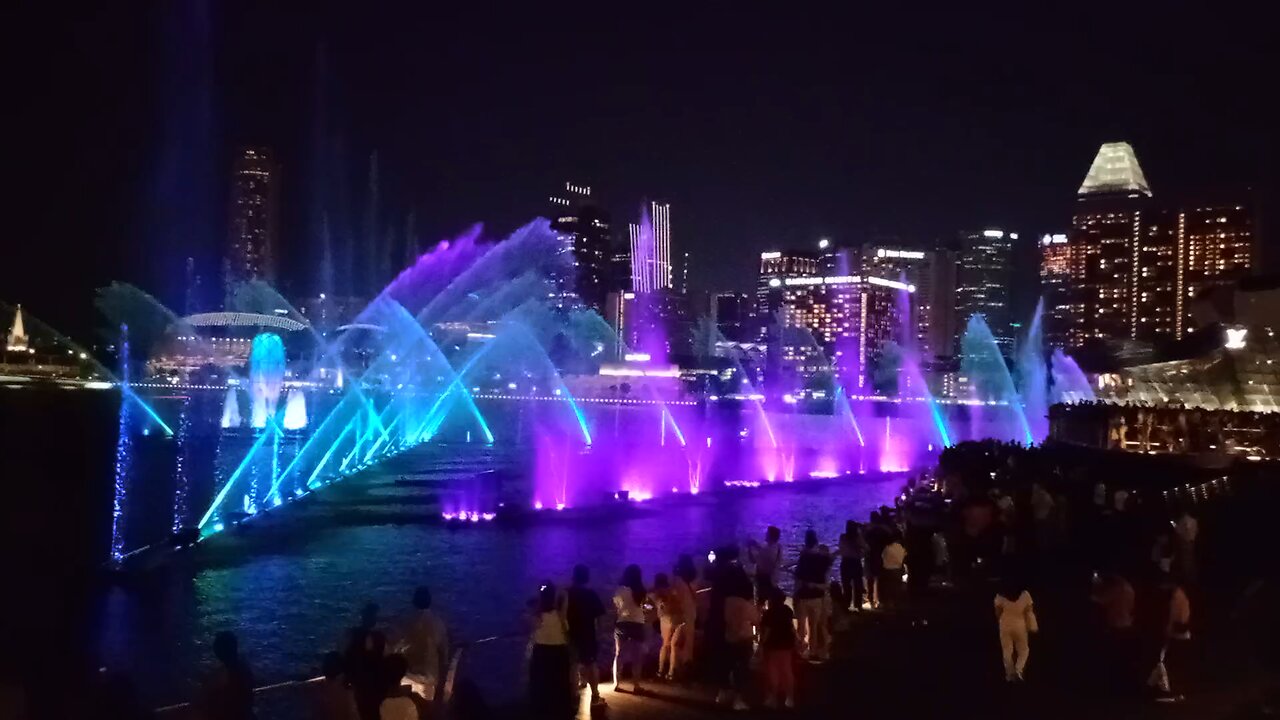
pixel 892 563
pixel 1016 619
pixel 425 645
pixel 550 663
pixel 766 558
pixel 629 631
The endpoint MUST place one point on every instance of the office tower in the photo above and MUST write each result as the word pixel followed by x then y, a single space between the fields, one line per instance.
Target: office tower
pixel 933 273
pixel 651 249
pixel 983 278
pixel 1217 245
pixel 583 229
pixel 255 180
pixel 775 267
pixel 847 320
pixel 1134 266
pixel 1055 279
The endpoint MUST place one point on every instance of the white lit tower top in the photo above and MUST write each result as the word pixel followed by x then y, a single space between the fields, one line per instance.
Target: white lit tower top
pixel 651 249
pixel 1115 170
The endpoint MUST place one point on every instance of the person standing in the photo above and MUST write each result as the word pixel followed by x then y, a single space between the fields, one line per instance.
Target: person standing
pixel 583 612
pixel 332 699
pixel 778 646
pixel 740 616
pixel 362 662
pixel 426 645
pixel 877 536
pixel 1042 515
pixel 811 589
pixel 853 549
pixel 550 688
pixel 228 691
pixel 767 559
pixel 1115 596
pixel 1016 620
pixel 893 560
pixel 683 585
pixel 629 631
pixel 670 619
pixel 1170 625
pixel 1186 531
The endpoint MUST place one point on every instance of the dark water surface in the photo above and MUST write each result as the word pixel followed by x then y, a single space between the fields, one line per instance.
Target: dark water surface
pixel 291 588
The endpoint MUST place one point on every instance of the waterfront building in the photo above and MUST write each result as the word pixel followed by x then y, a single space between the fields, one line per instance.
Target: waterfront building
pixel 584 231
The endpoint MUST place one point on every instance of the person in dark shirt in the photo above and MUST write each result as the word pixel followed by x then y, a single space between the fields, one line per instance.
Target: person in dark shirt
pixel 228 693
pixel 778 648
pixel 363 663
pixel 583 613
pixel 810 595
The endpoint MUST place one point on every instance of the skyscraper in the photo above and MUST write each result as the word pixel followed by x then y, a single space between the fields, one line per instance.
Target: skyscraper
pixel 1133 266
pixel 651 249
pixel 1055 278
pixel 933 304
pixel 848 319
pixel 255 180
pixel 775 267
pixel 1217 245
pixel 583 229
pixel 983 279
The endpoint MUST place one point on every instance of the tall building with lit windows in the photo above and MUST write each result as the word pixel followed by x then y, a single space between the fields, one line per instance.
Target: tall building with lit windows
pixel 1055 279
pixel 984 276
pixel 845 321
pixel 255 191
pixel 933 304
pixel 1133 266
pixel 584 231
pixel 1217 245
pixel 651 267
pixel 777 266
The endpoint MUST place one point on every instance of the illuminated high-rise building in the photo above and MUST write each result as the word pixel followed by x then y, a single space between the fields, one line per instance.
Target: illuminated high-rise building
pixel 1217 245
pixel 732 314
pixel 1055 279
pixel 984 276
pixel 583 229
pixel 255 181
pixel 1134 266
pixel 651 268
pixel 775 267
pixel 933 304
pixel 846 319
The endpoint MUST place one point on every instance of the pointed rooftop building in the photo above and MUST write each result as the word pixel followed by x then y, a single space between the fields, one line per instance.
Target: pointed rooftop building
pixel 1115 170
pixel 17 340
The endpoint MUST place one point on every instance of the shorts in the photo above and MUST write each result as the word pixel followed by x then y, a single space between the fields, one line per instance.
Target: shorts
pixel 586 650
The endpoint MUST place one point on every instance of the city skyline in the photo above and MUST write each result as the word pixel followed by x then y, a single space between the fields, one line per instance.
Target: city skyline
pixel 895 148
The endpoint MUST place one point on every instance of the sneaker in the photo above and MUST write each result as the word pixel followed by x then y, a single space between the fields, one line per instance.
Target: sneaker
pixel 740 704
pixel 790 703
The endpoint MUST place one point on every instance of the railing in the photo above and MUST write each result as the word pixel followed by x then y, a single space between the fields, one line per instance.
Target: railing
pixel 456 654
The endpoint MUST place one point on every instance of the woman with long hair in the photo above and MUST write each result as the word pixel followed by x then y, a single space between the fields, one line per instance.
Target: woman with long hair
pixel 629 632
pixel 550 664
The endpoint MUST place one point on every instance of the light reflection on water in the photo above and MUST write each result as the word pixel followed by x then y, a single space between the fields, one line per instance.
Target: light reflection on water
pixel 291 600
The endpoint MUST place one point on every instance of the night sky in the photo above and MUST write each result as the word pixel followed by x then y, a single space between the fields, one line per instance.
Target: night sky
pixel 762 129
